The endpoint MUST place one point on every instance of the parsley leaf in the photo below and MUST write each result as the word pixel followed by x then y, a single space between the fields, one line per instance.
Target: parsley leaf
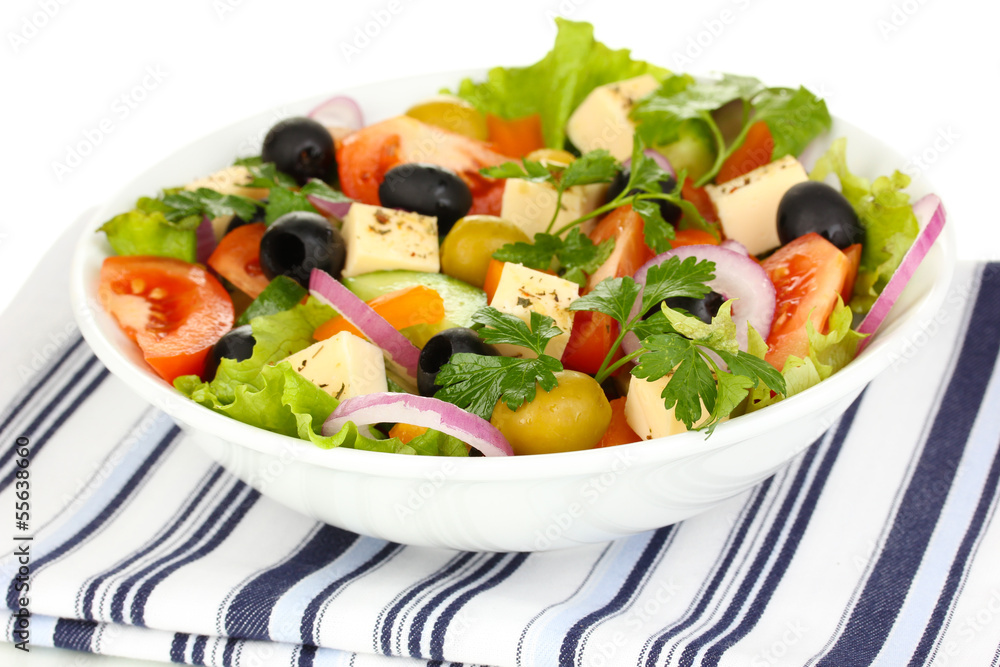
pixel 266 175
pixel 281 200
pixel 318 188
pixel 676 277
pixel 574 257
pixel 476 382
pixel 794 117
pixel 207 202
pixel 592 167
pixel 528 170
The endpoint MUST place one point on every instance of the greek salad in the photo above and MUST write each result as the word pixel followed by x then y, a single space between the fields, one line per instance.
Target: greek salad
pixel 585 252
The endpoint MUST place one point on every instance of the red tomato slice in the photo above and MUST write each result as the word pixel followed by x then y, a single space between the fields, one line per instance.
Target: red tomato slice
pixel 516 137
pixel 683 237
pixel 173 310
pixel 627 229
pixel 699 197
pixel 756 151
pixel 619 432
pixel 237 259
pixel 808 274
pixel 853 254
pixel 592 336
pixel 363 158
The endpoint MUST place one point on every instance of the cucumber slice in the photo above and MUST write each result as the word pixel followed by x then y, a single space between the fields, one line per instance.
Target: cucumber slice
pixel 461 299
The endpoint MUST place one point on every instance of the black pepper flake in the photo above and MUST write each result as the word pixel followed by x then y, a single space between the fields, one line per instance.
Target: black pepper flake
pixel 524 303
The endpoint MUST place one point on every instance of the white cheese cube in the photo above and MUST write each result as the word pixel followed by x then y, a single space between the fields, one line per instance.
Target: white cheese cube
pixel 748 205
pixel 381 239
pixel 229 181
pixel 601 120
pixel 342 366
pixel 521 290
pixel 530 206
pixel 647 415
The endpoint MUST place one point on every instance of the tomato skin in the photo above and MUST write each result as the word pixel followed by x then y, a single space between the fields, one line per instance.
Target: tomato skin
pixel 699 197
pixel 853 254
pixel 619 432
pixel 364 156
pixel 626 227
pixel 756 151
pixel 684 237
pixel 515 137
pixel 174 311
pixel 237 259
pixel 808 275
pixel 590 341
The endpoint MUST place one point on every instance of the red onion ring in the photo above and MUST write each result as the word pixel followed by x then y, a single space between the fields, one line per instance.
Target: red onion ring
pixel 339 111
pixel 660 159
pixel 336 209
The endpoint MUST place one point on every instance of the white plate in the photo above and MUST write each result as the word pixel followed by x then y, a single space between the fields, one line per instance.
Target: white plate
pixel 499 504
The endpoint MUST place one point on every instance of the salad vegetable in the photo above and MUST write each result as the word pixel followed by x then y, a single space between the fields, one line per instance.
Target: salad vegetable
pixel 584 252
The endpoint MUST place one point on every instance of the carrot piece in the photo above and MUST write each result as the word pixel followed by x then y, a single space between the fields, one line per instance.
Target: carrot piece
pixel 756 151
pixel 406 432
pixel 618 431
pixel 493 272
pixel 683 237
pixel 853 253
pixel 515 137
pixel 417 304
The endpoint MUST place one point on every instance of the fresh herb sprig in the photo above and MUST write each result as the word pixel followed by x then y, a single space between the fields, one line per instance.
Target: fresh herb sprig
pixel 696 378
pixel 793 116
pixel 476 383
pixel 616 297
pixel 181 204
pixel 573 257
pixel 284 195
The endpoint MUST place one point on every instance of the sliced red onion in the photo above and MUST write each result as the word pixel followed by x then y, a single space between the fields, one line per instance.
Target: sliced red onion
pixel 660 159
pixel 736 277
pixel 401 352
pixel 205 235
pixel 931 217
pixel 419 411
pixel 735 246
pixel 339 111
pixel 336 209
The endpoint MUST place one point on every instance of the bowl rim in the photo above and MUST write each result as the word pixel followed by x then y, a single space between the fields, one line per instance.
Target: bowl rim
pixel 874 358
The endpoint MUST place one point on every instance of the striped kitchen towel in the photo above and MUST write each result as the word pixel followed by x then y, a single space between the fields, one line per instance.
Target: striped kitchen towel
pixel 877 545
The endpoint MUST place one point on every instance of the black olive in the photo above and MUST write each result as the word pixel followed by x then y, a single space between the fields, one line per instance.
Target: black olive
pixel 236 344
pixel 298 242
pixel 429 190
pixel 237 221
pixel 704 308
pixel 671 212
pixel 817 207
pixel 438 351
pixel 301 148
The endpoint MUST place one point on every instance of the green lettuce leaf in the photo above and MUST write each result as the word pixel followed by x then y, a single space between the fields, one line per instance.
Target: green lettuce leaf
pixel 266 392
pixel 145 230
pixel 886 215
pixel 554 86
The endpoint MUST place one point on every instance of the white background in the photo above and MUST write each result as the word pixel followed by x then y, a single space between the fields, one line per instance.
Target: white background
pixel 922 75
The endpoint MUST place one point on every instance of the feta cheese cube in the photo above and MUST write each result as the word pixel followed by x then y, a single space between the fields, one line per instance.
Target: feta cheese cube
pixel 521 290
pixel 748 205
pixel 601 120
pixel 231 180
pixel 647 415
pixel 342 366
pixel 530 206
pixel 381 239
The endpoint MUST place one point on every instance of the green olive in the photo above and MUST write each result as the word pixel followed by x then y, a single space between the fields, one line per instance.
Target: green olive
pixel 453 114
pixel 466 251
pixel 574 415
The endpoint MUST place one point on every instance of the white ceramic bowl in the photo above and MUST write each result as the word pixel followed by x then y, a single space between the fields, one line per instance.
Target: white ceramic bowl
pixel 498 504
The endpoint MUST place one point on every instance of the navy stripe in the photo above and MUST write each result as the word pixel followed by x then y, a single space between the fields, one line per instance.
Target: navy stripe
pixel 38 443
pixel 882 597
pixel 570 643
pixel 198 650
pixel 73 634
pixel 308 628
pixel 385 638
pixel 417 627
pixel 177 647
pixel 109 511
pixel 142 595
pixel 760 493
pixel 780 566
pixel 183 515
pixel 227 653
pixel 30 393
pixel 118 599
pixel 444 620
pixel 250 612
pixel 307 654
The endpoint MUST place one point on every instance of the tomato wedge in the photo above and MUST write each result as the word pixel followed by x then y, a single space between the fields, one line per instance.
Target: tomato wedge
pixel 364 156
pixel 237 259
pixel 590 341
pixel 618 431
pixel 853 254
pixel 756 151
pixel 683 237
pixel 403 308
pixel 808 275
pixel 173 310
pixel 515 137
pixel 699 197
